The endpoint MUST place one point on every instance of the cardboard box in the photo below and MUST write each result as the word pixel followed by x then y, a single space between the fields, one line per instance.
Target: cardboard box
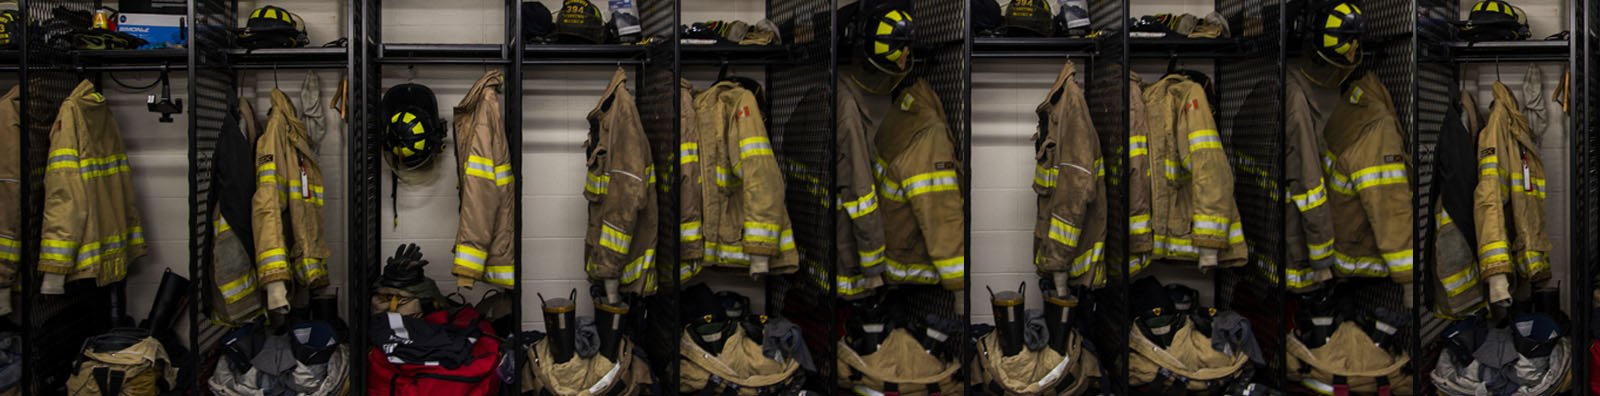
pixel 160 30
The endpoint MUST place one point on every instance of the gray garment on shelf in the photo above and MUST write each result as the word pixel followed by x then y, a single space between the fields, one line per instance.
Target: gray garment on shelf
pixel 781 339
pixel 1231 332
pixel 1533 103
pixel 311 109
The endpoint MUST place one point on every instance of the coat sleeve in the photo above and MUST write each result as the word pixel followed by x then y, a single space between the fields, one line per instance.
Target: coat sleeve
pixel 858 193
pixel 766 220
pixel 625 173
pixel 1308 189
pixel 482 181
pixel 933 188
pixel 1381 183
pixel 268 206
pixel 1201 148
pixel 1072 180
pixel 64 216
pixel 1489 205
pixel 691 174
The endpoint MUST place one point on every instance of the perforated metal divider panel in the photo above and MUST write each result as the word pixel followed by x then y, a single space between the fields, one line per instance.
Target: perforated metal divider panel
pixel 363 173
pixel 1586 196
pixel 1436 90
pixel 83 311
pixel 1250 118
pixel 1106 85
pixel 656 90
pixel 212 88
pixel 801 94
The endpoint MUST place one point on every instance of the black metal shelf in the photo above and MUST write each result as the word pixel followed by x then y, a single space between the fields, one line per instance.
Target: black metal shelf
pixel 583 54
pixel 1032 47
pixel 468 54
pixel 131 60
pixel 290 58
pixel 1183 47
pixel 1490 51
pixel 717 54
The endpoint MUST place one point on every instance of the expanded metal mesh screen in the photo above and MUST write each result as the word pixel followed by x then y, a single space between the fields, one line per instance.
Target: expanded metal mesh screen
pixel 1106 84
pixel 212 88
pixel 364 171
pixel 1250 118
pixel 657 95
pixel 802 119
pixel 1586 179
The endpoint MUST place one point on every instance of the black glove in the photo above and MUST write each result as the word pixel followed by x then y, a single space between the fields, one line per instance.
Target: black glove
pixel 405 268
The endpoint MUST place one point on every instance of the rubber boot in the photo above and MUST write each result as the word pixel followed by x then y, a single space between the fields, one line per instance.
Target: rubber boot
pixel 1009 320
pixel 171 298
pixel 867 325
pixel 610 321
pixel 561 323
pixel 1058 320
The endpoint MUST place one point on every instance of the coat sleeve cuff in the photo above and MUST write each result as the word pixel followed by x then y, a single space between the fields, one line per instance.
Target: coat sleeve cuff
pixel 55 267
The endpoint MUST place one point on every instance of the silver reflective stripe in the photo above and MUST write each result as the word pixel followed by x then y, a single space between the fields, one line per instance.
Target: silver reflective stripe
pixel 929 182
pixel 481 167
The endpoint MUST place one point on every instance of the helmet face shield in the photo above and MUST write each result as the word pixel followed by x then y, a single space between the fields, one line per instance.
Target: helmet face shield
pixel 886 38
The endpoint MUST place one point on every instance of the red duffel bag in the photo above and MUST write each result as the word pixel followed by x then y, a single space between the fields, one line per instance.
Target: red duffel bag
pixel 394 377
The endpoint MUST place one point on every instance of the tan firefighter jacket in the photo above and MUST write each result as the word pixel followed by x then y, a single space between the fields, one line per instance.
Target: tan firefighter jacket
pixel 233 271
pixel 288 202
pixel 1041 372
pixel 620 239
pixel 1191 182
pixel 900 360
pixel 691 242
pixel 1069 178
pixel 1365 169
pixel 486 236
pixel 1457 288
pixel 1349 358
pixel 1141 238
pixel 10 186
pixel 860 227
pixel 92 227
pixel 1509 199
pixel 740 369
pixel 1308 217
pixel 741 188
pixel 1189 356
pixel 920 183
pixel 143 366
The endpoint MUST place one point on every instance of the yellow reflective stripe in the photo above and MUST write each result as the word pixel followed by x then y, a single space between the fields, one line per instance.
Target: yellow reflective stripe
pixel 272 259
pixel 1359 266
pixel 1534 262
pixel 639 266
pixel 759 232
pixel 850 285
pixel 238 289
pixel 1175 247
pixel 1337 181
pixel 1399 260
pixel 598 184
pixel 723 176
pixel 1494 252
pixel 1319 251
pixel 1139 224
pixel 503 176
pixel 909 272
pixel 470 257
pixel 267 173
pixel 1461 281
pixel 1235 233
pixel 864 205
pixel 689 231
pixel 871 258
pixel 1209 225
pixel 311 268
pixel 754 146
pixel 1204 139
pixel 688 270
pixel 504 275
pixel 58 250
pixel 727 254
pixel 935 181
pixel 890 189
pixel 1086 260
pixel 1137 263
pixel 1044 176
pixel 10 249
pixel 63 159
pixel 613 238
pixel 1378 176
pixel 1489 166
pixel 91 253
pixel 485 168
pixel 1138 145
pixel 1174 171
pixel 688 152
pixel 99 167
pixel 1312 198
pixel 1064 232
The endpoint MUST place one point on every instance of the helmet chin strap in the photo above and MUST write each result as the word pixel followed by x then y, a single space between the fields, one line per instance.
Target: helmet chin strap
pixel 1327 73
pixel 873 79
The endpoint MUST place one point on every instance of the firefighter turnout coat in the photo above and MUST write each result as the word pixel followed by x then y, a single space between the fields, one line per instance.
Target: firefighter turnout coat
pixel 1191 182
pixel 92 228
pixel 288 201
pixel 860 223
pixel 620 239
pixel 10 187
pixel 742 210
pixel 1309 222
pixel 920 181
pixel 1365 168
pixel 1069 178
pixel 486 235
pixel 1509 199
pixel 1141 238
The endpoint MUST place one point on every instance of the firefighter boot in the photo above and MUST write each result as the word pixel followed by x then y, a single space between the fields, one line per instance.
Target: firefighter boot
pixel 611 322
pixel 1009 320
pixel 561 323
